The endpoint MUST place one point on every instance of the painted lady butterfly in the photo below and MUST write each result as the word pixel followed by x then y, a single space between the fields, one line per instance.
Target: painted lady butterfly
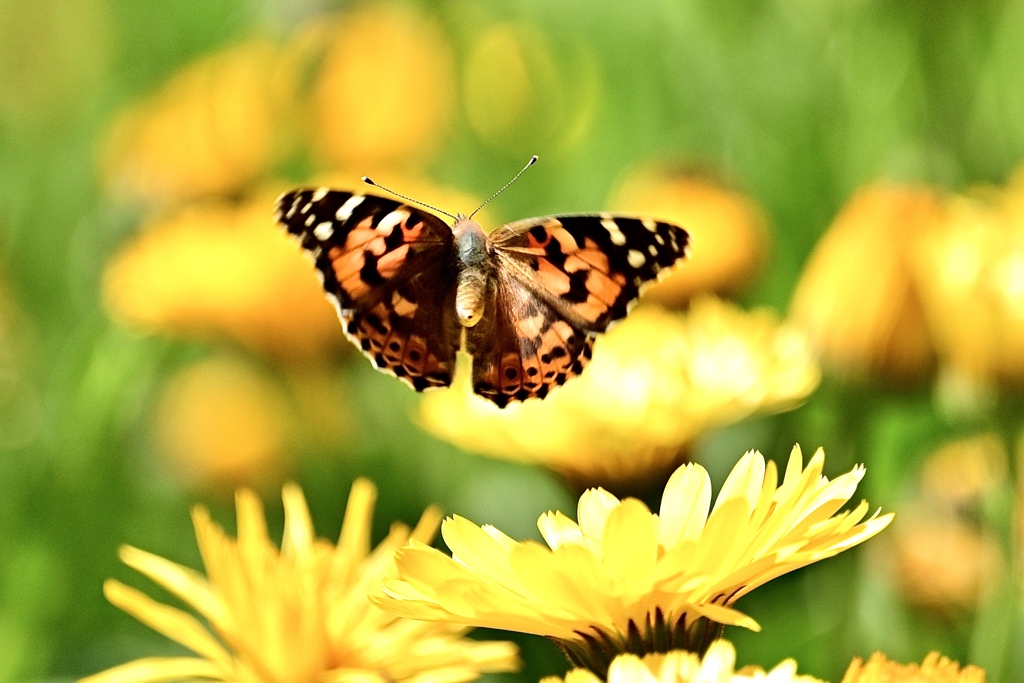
pixel 529 298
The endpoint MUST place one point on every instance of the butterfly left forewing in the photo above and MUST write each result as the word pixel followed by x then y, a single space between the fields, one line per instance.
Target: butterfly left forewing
pixel 388 269
pixel 591 268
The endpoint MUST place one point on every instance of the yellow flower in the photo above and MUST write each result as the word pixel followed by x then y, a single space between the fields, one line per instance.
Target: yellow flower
pixel 295 614
pixel 856 297
pixel 934 669
pixel 222 425
pixel 966 472
pixel 728 232
pixel 922 547
pixel 222 269
pixel 385 91
pixel 717 666
pixel 624 579
pixel 213 128
pixel 957 480
pixel 970 272
pixel 656 381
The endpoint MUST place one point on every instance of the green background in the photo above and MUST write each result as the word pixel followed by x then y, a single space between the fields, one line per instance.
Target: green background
pixel 797 103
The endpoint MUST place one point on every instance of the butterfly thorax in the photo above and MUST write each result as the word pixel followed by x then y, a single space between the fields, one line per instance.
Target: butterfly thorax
pixel 472 251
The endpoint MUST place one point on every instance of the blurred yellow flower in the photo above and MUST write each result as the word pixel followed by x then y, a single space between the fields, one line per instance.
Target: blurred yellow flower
pixel 519 94
pixel 656 381
pixel 957 482
pixel 222 424
pixel 624 579
pixel 965 472
pixel 295 614
pixel 856 297
pixel 943 564
pixel 385 90
pixel 729 237
pixel 717 666
pixel 970 272
pixel 223 269
pixel 213 128
pixel 934 669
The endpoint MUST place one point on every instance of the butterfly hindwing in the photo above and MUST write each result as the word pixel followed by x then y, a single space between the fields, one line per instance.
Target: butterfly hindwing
pixel 388 268
pixel 589 267
pixel 523 347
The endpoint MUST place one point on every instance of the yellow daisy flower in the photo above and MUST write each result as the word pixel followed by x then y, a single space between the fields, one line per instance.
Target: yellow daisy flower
pixel 970 272
pixel 221 424
pixel 869 325
pixel 934 669
pixel 717 666
pixel 384 93
pixel 728 230
pixel 215 126
pixel 295 614
pixel 221 269
pixel 919 552
pixel 624 579
pixel 657 381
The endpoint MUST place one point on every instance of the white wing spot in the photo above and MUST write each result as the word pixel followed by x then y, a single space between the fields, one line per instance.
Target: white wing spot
pixel 652 250
pixel 310 219
pixel 345 210
pixel 320 193
pixel 650 224
pixel 323 231
pixel 636 258
pixel 388 223
pixel 306 207
pixel 614 232
pixel 659 239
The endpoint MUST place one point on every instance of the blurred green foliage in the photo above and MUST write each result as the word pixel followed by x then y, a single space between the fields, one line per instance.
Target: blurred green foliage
pixel 796 102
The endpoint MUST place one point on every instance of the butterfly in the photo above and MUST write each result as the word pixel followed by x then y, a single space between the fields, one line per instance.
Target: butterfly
pixel 525 301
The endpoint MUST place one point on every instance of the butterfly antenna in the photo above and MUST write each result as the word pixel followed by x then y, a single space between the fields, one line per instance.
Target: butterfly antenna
pixel 408 199
pixel 529 163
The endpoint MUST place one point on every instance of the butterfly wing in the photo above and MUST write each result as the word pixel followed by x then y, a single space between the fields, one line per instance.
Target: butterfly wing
pixel 591 268
pixel 558 282
pixel 389 269
pixel 523 347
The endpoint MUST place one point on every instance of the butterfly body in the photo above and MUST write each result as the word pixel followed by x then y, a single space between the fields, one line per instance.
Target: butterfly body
pixel 525 301
pixel 473 251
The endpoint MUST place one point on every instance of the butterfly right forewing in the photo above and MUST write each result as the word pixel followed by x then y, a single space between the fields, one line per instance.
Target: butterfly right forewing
pixel 389 269
pixel 590 267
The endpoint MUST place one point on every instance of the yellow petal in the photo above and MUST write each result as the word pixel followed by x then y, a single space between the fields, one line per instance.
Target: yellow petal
pixel 183 582
pixel 475 548
pixel 685 505
pixel 594 507
pixel 173 623
pixel 744 481
pixel 629 669
pixel 157 670
pixel 631 545
pixel 559 530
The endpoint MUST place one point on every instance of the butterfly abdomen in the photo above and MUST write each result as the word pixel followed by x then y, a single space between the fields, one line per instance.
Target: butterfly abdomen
pixel 472 251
